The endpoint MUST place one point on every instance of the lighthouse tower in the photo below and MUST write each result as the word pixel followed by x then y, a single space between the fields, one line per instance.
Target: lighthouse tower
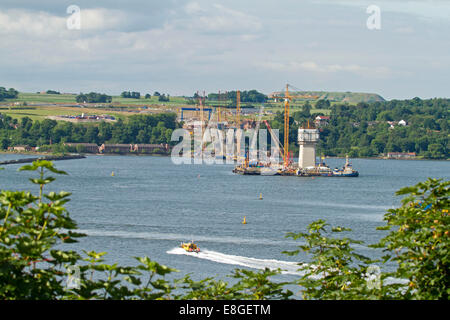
pixel 307 140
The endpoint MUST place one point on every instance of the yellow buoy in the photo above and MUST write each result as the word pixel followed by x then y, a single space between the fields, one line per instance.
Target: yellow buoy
pixel 260 196
pixel 244 221
pixel 112 174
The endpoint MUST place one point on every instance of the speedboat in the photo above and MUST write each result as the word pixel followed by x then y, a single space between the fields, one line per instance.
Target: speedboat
pixel 190 247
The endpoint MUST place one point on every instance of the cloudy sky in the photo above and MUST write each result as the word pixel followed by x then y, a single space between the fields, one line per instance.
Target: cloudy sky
pixel 180 47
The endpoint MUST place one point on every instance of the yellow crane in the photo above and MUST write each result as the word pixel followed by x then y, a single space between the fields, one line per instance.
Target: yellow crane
pixel 287 99
pixel 238 124
pixel 238 109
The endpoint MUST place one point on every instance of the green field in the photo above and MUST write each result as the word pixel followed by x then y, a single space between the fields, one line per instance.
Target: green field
pixel 43 98
pixel 34 98
pixel 40 113
pixel 27 105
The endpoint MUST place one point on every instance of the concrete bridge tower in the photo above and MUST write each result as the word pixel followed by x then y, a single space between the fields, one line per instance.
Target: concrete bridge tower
pixel 307 140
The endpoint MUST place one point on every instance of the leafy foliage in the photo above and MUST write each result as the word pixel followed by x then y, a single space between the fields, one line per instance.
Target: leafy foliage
pixel 419 240
pixel 335 271
pixel 138 129
pixel 246 96
pixel 133 95
pixel 8 94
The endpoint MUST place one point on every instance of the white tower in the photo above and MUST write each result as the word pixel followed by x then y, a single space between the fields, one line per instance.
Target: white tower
pixel 307 140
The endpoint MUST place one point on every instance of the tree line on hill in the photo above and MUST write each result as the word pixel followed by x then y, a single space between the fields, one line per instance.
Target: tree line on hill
pixel 93 97
pixel 137 95
pixel 131 95
pixel 246 96
pixel 371 129
pixel 154 129
pixel 52 92
pixel 8 94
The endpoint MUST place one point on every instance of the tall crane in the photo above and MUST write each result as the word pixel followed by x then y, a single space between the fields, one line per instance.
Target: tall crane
pixel 287 99
pixel 219 108
pixel 238 109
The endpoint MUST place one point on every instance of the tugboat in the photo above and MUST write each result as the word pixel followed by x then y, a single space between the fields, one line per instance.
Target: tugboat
pixel 346 171
pixel 190 247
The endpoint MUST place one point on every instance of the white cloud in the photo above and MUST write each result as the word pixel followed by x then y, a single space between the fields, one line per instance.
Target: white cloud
pixel 103 19
pixel 30 23
pixel 203 44
pixel 312 66
pixel 216 18
pixel 43 24
pixel 404 30
pixel 430 9
pixel 193 8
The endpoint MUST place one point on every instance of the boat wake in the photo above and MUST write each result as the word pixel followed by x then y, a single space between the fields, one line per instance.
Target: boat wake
pixel 177 236
pixel 287 267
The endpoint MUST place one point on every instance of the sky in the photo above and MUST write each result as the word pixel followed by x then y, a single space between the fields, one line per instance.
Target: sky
pixel 180 47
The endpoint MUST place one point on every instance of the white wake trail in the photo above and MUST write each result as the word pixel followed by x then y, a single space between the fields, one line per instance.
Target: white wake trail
pixel 287 267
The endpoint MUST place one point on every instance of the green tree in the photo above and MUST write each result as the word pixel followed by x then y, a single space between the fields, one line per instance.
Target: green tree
pixel 436 151
pixel 322 104
pixel 419 241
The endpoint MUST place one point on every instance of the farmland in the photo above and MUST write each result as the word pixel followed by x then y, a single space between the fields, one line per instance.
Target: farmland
pixel 38 106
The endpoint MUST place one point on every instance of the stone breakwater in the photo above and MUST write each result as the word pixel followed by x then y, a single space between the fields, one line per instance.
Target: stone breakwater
pixel 49 158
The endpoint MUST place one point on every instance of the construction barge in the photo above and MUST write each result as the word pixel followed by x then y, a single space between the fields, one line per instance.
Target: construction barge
pixel 321 170
pixel 307 166
pixel 308 137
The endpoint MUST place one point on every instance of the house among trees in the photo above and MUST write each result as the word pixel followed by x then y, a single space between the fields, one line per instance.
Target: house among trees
pixel 401 155
pixel 20 148
pixel 321 121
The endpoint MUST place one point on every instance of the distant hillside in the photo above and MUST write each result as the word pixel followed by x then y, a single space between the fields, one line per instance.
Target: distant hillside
pixel 350 97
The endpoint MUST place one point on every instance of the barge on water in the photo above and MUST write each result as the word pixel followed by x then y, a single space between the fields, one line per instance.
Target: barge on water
pixel 324 171
pixel 321 170
pixel 307 165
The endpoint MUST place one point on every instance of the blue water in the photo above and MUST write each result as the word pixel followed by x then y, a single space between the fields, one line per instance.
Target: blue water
pixel 150 205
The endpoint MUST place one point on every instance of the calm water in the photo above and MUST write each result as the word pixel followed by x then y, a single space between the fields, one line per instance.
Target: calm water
pixel 150 205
